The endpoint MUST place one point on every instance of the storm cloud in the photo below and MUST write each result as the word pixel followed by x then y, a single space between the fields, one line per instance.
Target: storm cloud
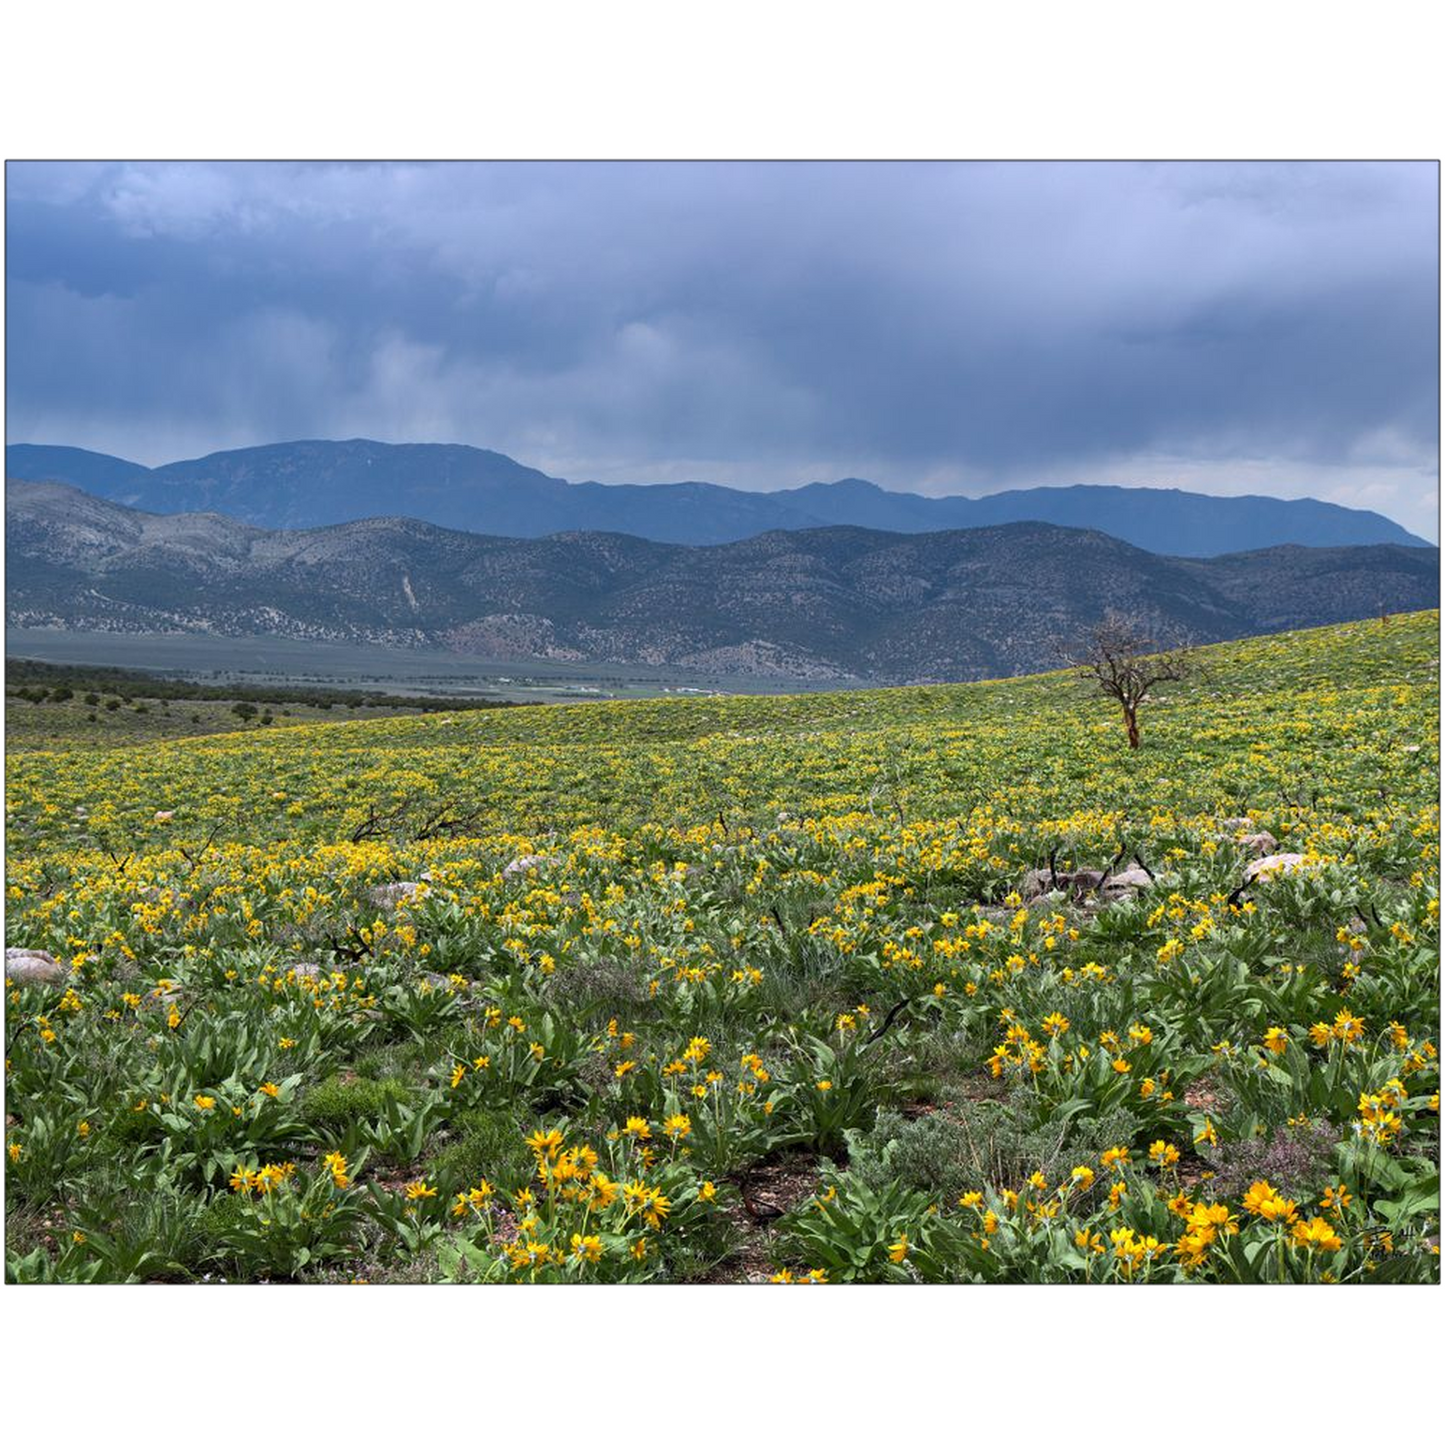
pixel 1231 327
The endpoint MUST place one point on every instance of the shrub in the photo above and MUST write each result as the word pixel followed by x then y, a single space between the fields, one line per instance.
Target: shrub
pixel 970 1143
pixel 339 1101
pixel 490 1145
pixel 1298 1161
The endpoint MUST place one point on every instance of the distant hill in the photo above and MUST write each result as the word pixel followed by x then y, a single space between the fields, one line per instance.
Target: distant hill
pixel 321 483
pixel 91 471
pixel 836 602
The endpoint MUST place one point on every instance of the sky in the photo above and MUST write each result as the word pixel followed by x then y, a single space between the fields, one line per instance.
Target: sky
pixel 1270 328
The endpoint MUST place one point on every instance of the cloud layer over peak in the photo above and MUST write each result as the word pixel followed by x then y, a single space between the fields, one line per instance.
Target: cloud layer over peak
pixel 961 327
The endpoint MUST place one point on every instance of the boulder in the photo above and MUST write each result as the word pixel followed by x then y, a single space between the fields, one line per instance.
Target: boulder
pixel 34 965
pixel 1233 825
pixel 1134 877
pixel 1273 865
pixel 1038 882
pixel 388 895
pixel 1259 843
pixel 528 864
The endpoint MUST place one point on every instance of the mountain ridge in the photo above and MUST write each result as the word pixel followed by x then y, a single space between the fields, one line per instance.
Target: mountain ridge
pixel 838 603
pixel 307 484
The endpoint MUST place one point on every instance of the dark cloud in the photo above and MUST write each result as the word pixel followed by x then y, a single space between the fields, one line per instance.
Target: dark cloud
pixel 942 327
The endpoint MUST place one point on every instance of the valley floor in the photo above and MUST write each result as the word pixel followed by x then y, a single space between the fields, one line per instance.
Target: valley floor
pixel 286 661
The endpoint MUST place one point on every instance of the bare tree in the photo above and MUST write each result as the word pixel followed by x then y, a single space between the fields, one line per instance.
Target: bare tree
pixel 1124 662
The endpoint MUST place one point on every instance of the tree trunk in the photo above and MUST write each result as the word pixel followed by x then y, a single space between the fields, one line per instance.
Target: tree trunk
pixel 1132 723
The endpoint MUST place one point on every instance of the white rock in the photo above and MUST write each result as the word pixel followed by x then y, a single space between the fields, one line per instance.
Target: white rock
pixel 33 965
pixel 528 864
pixel 1038 881
pixel 1274 864
pixel 1260 843
pixel 388 895
pixel 1134 877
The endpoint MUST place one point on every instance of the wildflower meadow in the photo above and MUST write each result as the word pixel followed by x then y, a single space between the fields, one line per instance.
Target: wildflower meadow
pixel 931 984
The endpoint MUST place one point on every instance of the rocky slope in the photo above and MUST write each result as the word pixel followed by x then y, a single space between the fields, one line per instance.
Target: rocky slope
pixel 836 602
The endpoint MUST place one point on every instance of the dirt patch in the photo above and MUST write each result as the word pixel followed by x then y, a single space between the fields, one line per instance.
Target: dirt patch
pixel 766 1192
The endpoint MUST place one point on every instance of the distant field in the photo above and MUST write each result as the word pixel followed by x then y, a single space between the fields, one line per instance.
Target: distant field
pixel 60 706
pixel 912 984
pixel 74 724
pixel 269 659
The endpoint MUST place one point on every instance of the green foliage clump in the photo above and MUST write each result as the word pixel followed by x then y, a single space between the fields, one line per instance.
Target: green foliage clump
pixel 970 1143
pixel 339 1101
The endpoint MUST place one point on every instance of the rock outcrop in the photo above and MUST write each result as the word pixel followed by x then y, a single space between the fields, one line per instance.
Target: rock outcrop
pixel 34 965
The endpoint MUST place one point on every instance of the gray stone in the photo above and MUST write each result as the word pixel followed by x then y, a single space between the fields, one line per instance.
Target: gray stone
pixel 1259 843
pixel 388 895
pixel 1134 877
pixel 34 965
pixel 1037 883
pixel 528 864
pixel 1273 865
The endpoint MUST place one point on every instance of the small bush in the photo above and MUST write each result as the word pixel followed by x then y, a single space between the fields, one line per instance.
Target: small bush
pixel 1299 1161
pixel 970 1143
pixel 490 1146
pixel 338 1101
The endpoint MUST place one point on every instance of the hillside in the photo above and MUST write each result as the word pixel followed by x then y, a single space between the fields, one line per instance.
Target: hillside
pixel 321 483
pixel 828 603
pixel 924 984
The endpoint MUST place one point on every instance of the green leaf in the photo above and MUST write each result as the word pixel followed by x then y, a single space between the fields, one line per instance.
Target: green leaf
pixel 1420 1196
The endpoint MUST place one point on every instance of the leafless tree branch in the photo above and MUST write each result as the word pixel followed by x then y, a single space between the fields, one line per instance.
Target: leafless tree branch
pixel 1125 663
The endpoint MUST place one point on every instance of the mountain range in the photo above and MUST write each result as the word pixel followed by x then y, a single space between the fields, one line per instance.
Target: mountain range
pixel 322 483
pixel 836 602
